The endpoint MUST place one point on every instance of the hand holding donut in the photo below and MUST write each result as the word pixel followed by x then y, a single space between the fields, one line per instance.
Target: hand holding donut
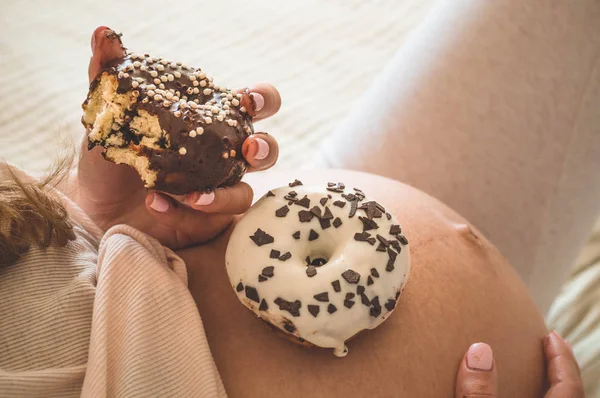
pixel 478 376
pixel 112 193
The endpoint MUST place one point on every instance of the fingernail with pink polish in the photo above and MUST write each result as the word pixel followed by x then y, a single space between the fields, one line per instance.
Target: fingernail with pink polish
pixel 159 204
pixel 480 357
pixel 259 101
pixel 263 149
pixel 205 199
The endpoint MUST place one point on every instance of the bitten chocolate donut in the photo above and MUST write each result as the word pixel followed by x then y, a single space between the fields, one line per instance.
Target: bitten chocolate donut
pixel 321 264
pixel 169 121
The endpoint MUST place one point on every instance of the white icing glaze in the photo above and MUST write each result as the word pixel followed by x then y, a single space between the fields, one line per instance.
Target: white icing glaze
pixel 245 261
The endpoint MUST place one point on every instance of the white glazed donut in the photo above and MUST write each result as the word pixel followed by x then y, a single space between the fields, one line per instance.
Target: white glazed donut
pixel 320 263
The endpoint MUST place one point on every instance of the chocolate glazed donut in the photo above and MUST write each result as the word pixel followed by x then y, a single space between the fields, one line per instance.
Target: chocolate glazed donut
pixel 171 122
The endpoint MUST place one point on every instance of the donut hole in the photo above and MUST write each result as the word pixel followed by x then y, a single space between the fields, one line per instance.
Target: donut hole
pixel 316 260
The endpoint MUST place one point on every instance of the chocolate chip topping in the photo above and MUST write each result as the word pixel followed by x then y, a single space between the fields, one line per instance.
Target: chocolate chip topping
pixel 268 271
pixel 293 307
pixel 402 239
pixel 304 202
pixel 262 278
pixel 349 296
pixel 292 194
pixel 353 207
pixel 365 300
pixel 371 241
pixel 392 259
pixel 274 254
pixel 374 272
pixel 383 240
pixel 285 256
pixel 282 211
pixel 322 201
pixel 252 294
pixel 381 248
pixel 323 297
pixel 388 216
pixel 239 287
pixel 360 289
pixel 331 308
pixel 375 307
pixel 362 236
pixel 348 303
pixel 295 183
pixel 316 210
pixel 395 229
pixel 336 286
pixel 368 224
pixel 396 245
pixel 327 214
pixel 313 235
pixel 263 305
pixel 314 310
pixel 325 223
pixel 337 222
pixel 397 294
pixel 339 187
pixel 261 238
pixel 372 209
pixel 305 216
pixel 311 271
pixel 369 281
pixel 289 326
pixel 339 203
pixel 296 235
pixel 270 193
pixel 390 304
pixel 351 276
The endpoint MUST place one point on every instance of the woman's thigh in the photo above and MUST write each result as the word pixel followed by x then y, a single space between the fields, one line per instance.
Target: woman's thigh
pixel 461 290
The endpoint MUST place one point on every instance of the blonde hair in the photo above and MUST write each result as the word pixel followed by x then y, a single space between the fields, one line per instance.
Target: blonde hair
pixel 31 214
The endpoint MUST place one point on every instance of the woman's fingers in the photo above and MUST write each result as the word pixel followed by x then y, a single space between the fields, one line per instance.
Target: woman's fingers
pixel 106 47
pixel 229 200
pixel 261 151
pixel 260 100
pixel 191 226
pixel 477 375
pixel 563 372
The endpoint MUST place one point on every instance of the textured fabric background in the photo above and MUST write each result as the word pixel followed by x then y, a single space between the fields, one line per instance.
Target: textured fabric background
pixel 321 55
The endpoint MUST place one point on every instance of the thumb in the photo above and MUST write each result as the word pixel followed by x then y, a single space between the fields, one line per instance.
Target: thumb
pixel 477 375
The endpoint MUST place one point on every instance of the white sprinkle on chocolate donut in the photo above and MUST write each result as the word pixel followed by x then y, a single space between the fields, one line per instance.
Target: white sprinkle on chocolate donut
pixel 322 264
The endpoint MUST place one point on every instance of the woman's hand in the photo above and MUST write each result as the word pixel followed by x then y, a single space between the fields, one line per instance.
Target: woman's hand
pixel 112 194
pixel 478 377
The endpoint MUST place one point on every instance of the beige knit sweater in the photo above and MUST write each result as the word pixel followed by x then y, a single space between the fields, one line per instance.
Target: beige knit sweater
pixel 105 316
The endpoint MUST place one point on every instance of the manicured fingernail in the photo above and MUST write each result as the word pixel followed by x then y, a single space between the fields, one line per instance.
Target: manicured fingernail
pixel 263 149
pixel 480 357
pixel 159 204
pixel 205 199
pixel 259 101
